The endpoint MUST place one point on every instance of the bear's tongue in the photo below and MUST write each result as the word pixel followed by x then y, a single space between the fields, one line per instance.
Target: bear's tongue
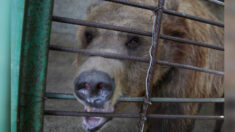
pixel 92 123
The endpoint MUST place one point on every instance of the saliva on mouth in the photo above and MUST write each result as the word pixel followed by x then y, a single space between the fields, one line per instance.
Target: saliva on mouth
pixel 94 123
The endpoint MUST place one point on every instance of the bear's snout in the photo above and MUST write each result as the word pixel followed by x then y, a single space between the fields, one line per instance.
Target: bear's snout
pixel 94 88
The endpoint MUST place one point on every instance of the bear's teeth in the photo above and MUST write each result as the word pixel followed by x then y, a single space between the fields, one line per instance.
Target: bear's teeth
pixel 88 109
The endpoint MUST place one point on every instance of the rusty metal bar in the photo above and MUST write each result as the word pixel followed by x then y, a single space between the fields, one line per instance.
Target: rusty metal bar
pixel 170 12
pixel 141 99
pixel 131 30
pixel 133 58
pixel 153 60
pixel 33 68
pixel 121 115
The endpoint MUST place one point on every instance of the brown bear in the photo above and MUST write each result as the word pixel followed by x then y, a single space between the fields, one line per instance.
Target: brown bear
pixel 101 81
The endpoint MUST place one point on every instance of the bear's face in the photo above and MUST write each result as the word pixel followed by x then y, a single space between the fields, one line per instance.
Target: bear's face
pixel 101 81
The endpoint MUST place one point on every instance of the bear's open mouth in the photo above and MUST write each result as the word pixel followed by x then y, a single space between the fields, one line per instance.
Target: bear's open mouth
pixel 94 123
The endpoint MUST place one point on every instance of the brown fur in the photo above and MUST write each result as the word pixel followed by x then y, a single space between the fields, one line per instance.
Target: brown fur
pixel 168 81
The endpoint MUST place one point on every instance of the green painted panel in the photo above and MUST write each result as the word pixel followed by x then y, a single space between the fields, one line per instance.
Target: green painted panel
pixel 34 52
pixel 17 16
pixel 5 66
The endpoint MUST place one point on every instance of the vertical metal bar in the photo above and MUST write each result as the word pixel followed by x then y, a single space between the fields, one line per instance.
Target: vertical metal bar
pixel 5 66
pixel 17 16
pixel 34 53
pixel 153 60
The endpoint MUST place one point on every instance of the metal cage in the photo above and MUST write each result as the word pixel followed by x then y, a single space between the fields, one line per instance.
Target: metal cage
pixel 28 112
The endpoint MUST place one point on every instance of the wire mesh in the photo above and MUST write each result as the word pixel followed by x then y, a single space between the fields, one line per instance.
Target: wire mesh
pixel 147 100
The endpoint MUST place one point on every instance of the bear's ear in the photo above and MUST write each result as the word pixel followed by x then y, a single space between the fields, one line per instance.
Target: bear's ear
pixel 175 26
pixel 169 4
pixel 94 5
pixel 172 4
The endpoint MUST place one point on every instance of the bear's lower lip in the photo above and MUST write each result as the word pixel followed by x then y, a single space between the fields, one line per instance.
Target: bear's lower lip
pixel 94 123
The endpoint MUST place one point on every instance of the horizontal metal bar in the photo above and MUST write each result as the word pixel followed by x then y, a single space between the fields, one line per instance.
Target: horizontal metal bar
pixel 73 113
pixel 59 96
pixel 199 117
pixel 217 2
pixel 97 53
pixel 195 18
pixel 186 41
pixel 121 115
pixel 100 25
pixel 131 30
pixel 134 4
pixel 167 11
pixel 189 67
pixel 141 99
pixel 133 58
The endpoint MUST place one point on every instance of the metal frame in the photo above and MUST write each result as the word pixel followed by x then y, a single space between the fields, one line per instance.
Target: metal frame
pixel 34 53
pixel 155 36
pixel 35 46
pixel 141 99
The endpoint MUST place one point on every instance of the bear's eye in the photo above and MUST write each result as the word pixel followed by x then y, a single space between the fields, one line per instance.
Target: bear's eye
pixel 133 42
pixel 177 34
pixel 88 36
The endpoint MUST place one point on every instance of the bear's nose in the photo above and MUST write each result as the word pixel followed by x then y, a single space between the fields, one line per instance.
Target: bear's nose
pixel 94 87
